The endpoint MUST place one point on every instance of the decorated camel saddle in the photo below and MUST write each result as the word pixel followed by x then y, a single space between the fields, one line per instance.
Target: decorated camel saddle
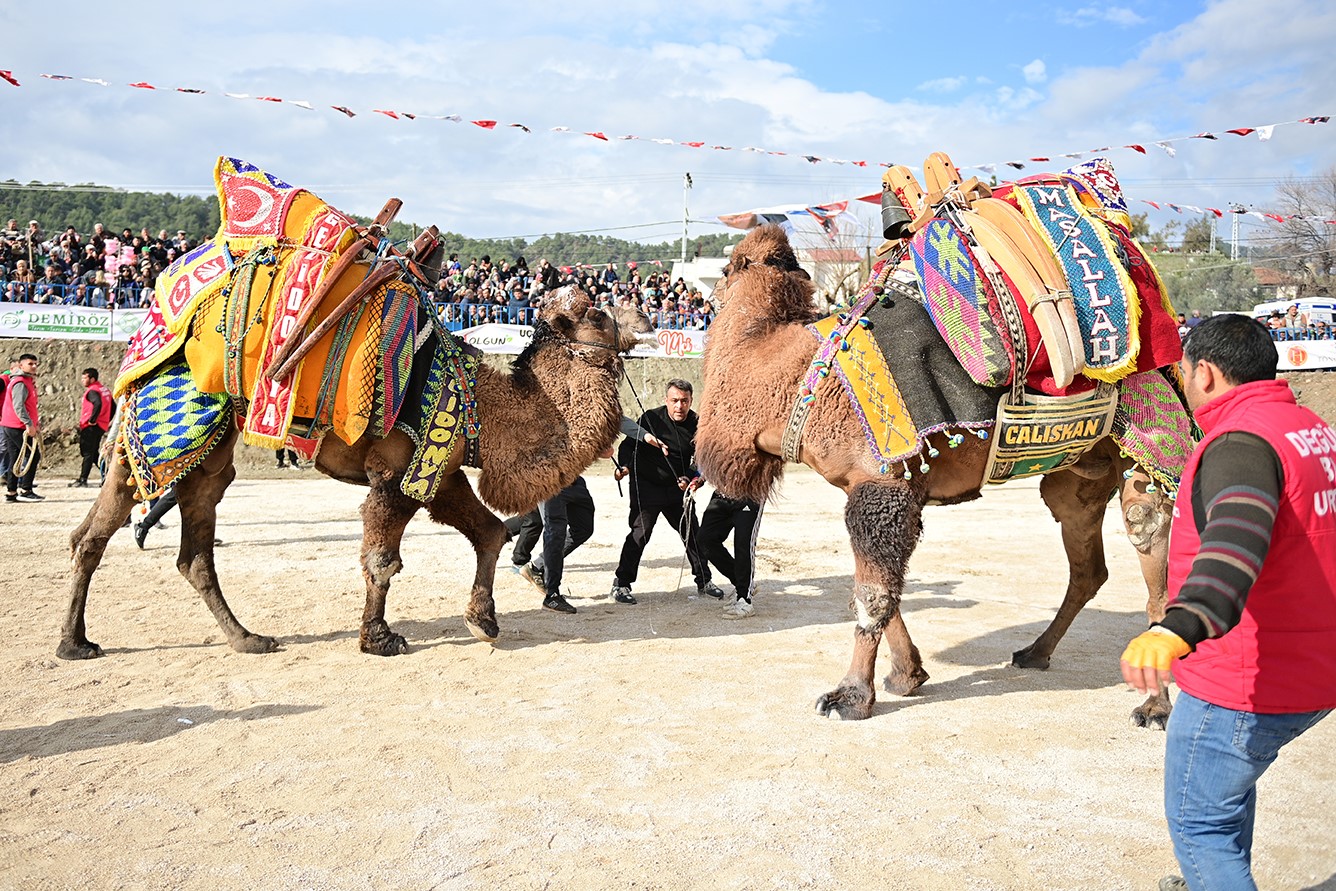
pixel 1024 313
pixel 293 322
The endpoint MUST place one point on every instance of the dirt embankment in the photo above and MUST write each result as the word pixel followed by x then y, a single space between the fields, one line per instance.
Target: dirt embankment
pixel 643 386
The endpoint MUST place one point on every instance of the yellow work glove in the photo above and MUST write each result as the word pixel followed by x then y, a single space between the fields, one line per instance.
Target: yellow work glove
pixel 1145 662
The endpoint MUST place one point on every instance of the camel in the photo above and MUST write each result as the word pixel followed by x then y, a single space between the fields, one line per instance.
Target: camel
pixel 755 359
pixel 543 422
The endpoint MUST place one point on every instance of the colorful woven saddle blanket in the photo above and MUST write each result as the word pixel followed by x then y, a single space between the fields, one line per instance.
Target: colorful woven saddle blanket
pixel 230 305
pixel 902 380
pixel 1122 309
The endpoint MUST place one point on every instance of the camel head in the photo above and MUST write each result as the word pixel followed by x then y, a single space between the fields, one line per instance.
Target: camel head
pixel 567 314
pixel 765 281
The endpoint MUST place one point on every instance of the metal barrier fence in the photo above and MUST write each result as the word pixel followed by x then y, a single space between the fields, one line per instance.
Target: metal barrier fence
pixel 455 316
pixel 93 296
pixel 1283 335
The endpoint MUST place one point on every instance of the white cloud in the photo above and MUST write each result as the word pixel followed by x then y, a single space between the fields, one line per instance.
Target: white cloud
pixel 1035 72
pixel 1091 15
pixel 942 85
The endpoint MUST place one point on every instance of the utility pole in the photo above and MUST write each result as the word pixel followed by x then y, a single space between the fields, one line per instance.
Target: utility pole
pixel 686 188
pixel 1237 210
pixel 1214 219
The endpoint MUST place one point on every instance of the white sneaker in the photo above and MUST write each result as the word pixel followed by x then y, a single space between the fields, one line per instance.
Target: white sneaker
pixel 739 609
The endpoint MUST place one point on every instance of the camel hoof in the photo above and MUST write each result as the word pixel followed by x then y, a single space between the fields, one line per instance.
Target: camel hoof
pixel 255 644
pixel 899 684
pixel 1027 658
pixel 1153 714
pixel 379 640
pixel 485 630
pixel 846 703
pixel 70 649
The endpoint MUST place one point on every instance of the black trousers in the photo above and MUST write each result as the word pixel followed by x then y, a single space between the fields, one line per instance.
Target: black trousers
pixel 13 445
pixel 525 529
pixel 90 443
pixel 568 522
pixel 642 519
pixel 742 518
pixel 158 509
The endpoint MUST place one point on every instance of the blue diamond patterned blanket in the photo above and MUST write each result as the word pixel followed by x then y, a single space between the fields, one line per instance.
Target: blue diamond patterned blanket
pixel 168 426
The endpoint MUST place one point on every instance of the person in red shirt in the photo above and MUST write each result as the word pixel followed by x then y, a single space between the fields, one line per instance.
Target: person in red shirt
pixel 21 429
pixel 94 418
pixel 1249 634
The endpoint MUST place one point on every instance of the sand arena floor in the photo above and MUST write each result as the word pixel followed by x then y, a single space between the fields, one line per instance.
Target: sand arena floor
pixel 650 746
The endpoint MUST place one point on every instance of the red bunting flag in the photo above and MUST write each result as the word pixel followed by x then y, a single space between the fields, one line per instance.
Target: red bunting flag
pixel 1153 204
pixel 9 76
pixel 1242 131
pixel 1218 213
pixel 1041 159
pixel 267 99
pixel 1136 148
pixel 388 114
pixel 486 125
pixel 596 135
pixel 694 144
pixel 144 86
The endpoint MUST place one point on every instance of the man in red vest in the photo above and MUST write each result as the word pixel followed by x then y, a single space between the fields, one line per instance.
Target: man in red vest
pixel 18 418
pixel 94 419
pixel 1250 631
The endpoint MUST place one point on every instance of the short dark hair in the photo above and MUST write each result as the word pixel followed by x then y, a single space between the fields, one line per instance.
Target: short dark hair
pixel 678 384
pixel 27 356
pixel 91 372
pixel 1239 346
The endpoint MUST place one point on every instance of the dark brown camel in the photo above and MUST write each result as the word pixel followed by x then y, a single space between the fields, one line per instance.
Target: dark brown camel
pixel 755 360
pixel 543 423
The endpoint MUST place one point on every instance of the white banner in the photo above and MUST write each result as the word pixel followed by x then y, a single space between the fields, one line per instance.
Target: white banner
pixel 1306 355
pixel 512 339
pixel 38 320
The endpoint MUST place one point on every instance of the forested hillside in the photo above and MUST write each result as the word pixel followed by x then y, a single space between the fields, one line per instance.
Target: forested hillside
pixel 57 205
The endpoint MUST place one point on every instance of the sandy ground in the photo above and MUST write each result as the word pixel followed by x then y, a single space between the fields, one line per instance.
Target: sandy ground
pixel 648 746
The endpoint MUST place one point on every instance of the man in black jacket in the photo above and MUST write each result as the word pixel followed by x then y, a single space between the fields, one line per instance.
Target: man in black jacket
pixel 659 484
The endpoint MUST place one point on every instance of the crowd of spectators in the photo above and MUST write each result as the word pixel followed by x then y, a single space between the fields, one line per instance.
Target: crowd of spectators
pixel 478 291
pixel 117 271
pixel 1296 325
pixel 102 269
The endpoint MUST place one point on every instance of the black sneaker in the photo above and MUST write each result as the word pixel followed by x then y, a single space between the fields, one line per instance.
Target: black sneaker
pixel 11 496
pixel 557 604
pixel 141 533
pixel 534 576
pixel 77 484
pixel 622 594
pixel 710 589
pixel 30 495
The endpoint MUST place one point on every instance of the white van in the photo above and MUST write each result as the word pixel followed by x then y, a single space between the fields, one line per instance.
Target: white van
pixel 1316 309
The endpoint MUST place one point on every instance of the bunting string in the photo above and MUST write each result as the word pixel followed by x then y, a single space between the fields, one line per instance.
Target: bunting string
pixel 1168 145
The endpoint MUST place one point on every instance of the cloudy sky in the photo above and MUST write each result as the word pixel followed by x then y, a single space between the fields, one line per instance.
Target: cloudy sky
pixel 882 82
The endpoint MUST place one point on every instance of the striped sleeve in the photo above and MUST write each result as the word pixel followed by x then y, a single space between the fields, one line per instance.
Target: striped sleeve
pixel 1235 496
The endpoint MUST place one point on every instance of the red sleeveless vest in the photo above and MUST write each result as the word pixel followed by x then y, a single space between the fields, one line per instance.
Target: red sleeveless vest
pixel 9 417
pixel 1281 657
pixel 103 419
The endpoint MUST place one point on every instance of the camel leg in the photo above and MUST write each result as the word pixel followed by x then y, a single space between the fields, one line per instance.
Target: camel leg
pixel 197 496
pixel 1146 517
pixel 1078 504
pixel 456 505
pixel 385 514
pixel 88 542
pixel 906 674
pixel 884 522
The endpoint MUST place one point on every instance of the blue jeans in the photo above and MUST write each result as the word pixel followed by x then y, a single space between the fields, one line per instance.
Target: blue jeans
pixel 1212 760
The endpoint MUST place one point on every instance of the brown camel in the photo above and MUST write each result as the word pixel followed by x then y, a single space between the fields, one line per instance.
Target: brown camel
pixel 757 354
pixel 542 423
